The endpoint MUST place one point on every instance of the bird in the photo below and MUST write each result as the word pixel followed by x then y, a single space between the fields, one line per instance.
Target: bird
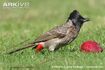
pixel 58 36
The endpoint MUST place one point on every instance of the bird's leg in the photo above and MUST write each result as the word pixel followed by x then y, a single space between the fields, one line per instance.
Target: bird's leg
pixel 52 48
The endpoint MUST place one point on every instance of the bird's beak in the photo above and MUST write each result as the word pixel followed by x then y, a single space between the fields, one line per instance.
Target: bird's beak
pixel 86 19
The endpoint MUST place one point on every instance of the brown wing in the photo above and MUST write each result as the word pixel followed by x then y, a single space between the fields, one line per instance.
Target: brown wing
pixel 56 32
pixel 49 35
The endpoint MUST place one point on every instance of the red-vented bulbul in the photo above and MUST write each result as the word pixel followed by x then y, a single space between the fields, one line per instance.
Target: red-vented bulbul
pixel 60 35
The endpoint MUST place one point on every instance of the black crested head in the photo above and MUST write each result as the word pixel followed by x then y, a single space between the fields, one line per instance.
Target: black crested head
pixel 76 18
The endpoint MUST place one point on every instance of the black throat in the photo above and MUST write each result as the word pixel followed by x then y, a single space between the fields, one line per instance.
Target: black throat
pixel 78 25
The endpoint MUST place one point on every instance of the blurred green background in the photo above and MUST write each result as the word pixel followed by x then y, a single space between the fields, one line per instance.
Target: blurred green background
pixel 19 24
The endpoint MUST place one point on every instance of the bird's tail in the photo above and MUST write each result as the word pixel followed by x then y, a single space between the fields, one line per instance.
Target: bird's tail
pixel 30 45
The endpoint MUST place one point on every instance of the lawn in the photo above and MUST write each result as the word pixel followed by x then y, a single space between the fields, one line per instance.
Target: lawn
pixel 19 24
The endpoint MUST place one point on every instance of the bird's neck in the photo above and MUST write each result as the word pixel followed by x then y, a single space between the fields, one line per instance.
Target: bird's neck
pixel 77 25
pixel 69 22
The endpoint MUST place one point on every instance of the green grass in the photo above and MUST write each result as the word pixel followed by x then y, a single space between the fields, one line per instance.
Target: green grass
pixel 19 24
